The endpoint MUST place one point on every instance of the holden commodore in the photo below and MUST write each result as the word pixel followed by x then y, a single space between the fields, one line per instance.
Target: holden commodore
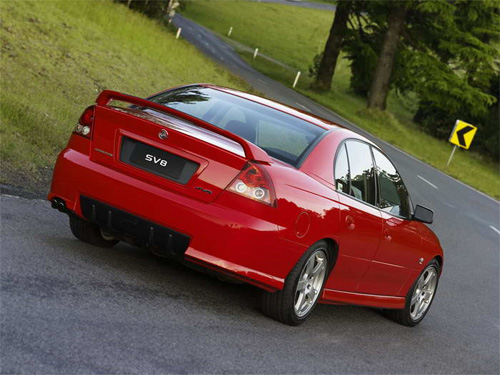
pixel 304 209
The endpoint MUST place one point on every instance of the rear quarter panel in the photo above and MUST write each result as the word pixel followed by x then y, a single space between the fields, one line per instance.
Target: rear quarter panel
pixel 307 209
pixel 307 204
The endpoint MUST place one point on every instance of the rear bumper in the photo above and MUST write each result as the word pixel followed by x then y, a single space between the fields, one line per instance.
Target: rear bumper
pixel 220 237
pixel 161 240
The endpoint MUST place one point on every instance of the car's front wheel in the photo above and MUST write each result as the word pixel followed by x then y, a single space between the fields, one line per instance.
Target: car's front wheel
pixel 303 286
pixel 419 298
pixel 87 232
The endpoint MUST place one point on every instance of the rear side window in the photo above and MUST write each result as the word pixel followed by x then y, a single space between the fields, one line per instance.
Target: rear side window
pixel 393 196
pixel 362 177
pixel 278 139
pixel 342 171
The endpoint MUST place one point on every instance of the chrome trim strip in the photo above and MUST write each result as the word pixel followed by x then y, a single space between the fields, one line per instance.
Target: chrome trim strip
pixel 187 128
pixel 104 152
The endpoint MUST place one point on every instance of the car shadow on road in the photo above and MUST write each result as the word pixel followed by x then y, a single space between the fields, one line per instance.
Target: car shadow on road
pixel 138 273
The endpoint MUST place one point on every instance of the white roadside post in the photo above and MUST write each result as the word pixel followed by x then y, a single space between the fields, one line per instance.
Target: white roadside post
pixel 230 31
pixel 255 53
pixel 296 79
pixel 451 155
pixel 179 30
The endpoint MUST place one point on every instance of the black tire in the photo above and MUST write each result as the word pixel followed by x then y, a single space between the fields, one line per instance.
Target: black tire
pixel 280 305
pixel 403 316
pixel 90 233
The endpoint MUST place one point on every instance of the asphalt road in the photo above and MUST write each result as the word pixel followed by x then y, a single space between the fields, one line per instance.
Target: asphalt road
pixel 67 307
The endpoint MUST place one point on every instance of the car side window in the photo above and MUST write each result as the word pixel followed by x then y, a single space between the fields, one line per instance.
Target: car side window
pixel 361 170
pixel 342 171
pixel 392 193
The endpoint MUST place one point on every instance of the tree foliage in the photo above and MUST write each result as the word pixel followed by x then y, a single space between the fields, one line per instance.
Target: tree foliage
pixel 457 76
pixel 447 56
pixel 156 9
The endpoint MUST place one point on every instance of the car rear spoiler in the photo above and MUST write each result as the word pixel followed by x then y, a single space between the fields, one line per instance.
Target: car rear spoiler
pixel 252 152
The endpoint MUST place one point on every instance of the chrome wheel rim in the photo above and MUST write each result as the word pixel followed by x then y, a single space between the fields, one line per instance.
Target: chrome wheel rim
pixel 423 293
pixel 310 283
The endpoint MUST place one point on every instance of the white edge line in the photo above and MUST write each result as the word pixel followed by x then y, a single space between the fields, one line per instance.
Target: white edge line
pixel 10 196
pixel 495 229
pixel 430 183
pixel 303 106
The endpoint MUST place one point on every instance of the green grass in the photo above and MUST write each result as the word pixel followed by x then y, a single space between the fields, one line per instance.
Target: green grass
pixel 58 55
pixel 294 36
pixel 287 33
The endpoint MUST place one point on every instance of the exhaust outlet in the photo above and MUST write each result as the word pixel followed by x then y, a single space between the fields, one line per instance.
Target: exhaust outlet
pixel 59 204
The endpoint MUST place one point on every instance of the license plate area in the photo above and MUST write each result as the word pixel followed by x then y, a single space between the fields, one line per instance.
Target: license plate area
pixel 156 161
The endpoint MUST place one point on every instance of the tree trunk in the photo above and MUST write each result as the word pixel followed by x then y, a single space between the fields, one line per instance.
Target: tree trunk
pixel 331 52
pixel 377 96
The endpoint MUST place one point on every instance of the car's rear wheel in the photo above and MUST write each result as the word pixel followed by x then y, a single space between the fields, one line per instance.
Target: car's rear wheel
pixel 295 302
pixel 87 232
pixel 419 298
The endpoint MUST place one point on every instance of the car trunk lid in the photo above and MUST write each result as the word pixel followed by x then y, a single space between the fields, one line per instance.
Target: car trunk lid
pixel 168 148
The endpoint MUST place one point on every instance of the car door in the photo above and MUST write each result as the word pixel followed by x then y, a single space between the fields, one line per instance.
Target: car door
pixel 398 251
pixel 361 221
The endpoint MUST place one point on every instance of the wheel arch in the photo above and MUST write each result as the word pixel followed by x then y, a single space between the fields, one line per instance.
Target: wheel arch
pixel 333 252
pixel 439 259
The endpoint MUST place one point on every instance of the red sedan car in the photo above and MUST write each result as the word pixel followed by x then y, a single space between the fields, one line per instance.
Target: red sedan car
pixel 302 208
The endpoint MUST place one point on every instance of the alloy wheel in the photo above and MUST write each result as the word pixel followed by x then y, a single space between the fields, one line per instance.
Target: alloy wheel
pixel 310 282
pixel 423 293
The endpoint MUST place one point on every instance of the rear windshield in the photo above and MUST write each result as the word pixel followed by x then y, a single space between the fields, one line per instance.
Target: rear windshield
pixel 281 135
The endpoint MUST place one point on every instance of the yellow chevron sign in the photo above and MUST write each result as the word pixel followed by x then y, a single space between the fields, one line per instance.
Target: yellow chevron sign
pixel 462 134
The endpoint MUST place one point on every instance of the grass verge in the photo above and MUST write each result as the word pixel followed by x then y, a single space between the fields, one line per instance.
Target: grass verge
pixel 294 35
pixel 56 56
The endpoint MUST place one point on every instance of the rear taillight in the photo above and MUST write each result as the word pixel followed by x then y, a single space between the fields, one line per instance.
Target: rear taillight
pixel 85 123
pixel 253 183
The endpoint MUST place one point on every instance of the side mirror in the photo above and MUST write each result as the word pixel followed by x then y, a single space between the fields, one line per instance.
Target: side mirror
pixel 423 214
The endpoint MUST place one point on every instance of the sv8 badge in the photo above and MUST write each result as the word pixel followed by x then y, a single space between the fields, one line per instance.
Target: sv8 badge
pixel 156 160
